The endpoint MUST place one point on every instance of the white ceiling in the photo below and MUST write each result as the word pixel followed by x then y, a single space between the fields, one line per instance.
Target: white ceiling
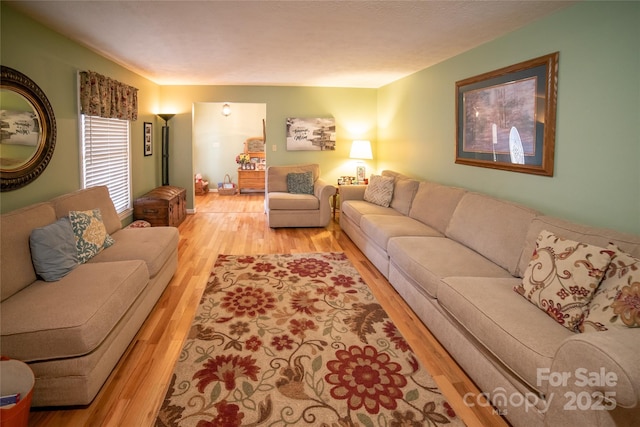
pixel 298 43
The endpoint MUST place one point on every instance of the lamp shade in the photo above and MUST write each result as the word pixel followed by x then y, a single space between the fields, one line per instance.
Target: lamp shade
pixel 361 149
pixel 166 117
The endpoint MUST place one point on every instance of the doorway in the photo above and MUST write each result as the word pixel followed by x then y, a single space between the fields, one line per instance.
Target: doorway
pixel 218 138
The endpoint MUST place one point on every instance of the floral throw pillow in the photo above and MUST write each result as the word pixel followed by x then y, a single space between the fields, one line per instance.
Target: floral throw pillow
pixel 90 233
pixel 380 190
pixel 616 303
pixel 562 277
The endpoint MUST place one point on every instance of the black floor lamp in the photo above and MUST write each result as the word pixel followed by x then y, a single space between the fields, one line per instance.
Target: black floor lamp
pixel 165 147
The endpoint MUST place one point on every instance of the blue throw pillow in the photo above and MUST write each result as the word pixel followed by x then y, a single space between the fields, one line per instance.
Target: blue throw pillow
pixel 53 250
pixel 300 183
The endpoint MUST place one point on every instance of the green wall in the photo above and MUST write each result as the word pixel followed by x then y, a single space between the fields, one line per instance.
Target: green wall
pixel 410 122
pixel 597 156
pixel 354 111
pixel 52 62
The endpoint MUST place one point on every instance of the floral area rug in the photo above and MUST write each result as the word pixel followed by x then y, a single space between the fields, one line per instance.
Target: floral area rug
pixel 297 340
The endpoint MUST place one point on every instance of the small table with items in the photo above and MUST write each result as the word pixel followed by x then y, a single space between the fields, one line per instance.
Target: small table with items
pixel 251 179
pixel 251 176
pixel 341 183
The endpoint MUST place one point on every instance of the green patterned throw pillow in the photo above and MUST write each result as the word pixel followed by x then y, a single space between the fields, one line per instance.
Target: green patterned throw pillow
pixel 90 233
pixel 300 183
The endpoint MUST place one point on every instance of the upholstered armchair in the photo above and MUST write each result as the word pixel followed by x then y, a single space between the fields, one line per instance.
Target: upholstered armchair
pixel 295 196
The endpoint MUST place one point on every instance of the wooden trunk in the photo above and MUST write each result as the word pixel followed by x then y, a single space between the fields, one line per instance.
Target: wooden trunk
pixel 162 206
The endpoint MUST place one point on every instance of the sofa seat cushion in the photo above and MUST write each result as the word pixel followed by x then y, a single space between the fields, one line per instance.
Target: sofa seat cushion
pixel 428 259
pixel 291 201
pixel 380 228
pixel 355 209
pixel 154 246
pixel 521 336
pixel 72 316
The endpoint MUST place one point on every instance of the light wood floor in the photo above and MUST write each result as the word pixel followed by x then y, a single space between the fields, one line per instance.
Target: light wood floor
pixel 237 225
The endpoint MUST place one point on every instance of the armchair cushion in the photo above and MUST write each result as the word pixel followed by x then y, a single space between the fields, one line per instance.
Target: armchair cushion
pixel 277 175
pixel 293 201
pixel 300 183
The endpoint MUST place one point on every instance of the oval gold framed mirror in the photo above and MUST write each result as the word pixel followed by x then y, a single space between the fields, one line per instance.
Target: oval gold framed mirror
pixel 27 130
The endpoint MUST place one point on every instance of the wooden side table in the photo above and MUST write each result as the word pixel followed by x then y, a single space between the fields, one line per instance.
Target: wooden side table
pixel 251 180
pixel 337 193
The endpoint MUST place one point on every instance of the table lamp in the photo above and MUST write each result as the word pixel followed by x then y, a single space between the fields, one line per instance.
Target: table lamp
pixel 361 149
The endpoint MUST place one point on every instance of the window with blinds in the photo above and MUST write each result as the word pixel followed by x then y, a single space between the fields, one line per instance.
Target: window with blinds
pixel 105 157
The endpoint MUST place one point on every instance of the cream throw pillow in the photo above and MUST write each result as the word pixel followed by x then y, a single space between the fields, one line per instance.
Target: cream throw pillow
pixel 616 303
pixel 562 277
pixel 380 190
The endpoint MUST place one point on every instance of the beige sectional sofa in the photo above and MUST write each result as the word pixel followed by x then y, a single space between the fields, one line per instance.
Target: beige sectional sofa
pixel 73 331
pixel 456 257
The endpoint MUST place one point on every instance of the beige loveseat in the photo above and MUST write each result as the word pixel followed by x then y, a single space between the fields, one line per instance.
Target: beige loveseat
pixel 456 257
pixel 73 331
pixel 288 206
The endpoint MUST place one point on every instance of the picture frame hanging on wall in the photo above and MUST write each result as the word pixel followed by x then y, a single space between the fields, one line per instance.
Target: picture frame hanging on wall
pixel 148 138
pixel 311 134
pixel 506 119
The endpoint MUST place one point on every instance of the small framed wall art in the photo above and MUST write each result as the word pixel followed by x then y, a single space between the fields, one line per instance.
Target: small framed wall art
pixel 506 119
pixel 148 138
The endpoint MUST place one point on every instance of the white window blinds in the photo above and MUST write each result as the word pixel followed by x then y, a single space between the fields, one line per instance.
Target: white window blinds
pixel 105 151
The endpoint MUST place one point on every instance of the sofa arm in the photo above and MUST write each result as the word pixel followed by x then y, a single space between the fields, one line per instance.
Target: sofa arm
pixel 352 192
pixel 323 191
pixel 595 380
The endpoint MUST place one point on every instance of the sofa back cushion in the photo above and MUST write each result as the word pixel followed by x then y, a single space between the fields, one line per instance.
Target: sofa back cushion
pixel 492 227
pixel 89 199
pixel 277 175
pixel 16 268
pixel 394 175
pixel 601 237
pixel 434 204
pixel 403 191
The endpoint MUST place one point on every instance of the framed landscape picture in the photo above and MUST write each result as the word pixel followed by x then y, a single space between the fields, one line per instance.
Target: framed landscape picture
pixel 317 134
pixel 506 119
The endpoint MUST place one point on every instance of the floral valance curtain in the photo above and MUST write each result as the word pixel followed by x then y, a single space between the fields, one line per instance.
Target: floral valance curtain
pixel 104 97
